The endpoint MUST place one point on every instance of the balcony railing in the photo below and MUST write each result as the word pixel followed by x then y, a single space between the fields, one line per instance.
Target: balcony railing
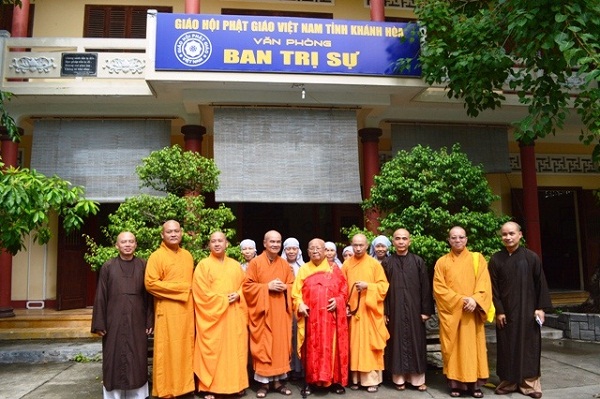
pixel 73 66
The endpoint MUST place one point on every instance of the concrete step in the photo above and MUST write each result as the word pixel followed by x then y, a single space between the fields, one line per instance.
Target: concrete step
pixel 46 333
pixel 46 324
pixel 568 298
pixel 433 339
pixel 39 351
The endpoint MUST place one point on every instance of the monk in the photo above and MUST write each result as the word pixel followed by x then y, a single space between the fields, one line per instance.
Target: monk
pixel 463 299
pixel 520 296
pixel 368 286
pixel 319 293
pixel 268 293
pixel 221 348
pixel 169 279
pixel 123 316
pixel 409 304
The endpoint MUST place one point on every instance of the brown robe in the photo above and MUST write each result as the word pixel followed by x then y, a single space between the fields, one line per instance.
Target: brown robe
pixel 123 309
pixel 269 315
pixel 519 288
pixel 408 297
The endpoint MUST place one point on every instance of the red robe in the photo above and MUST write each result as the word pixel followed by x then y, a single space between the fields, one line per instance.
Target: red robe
pixel 325 348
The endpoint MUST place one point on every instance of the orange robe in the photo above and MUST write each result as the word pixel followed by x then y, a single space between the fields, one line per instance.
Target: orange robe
pixel 269 315
pixel 462 334
pixel 169 279
pixel 221 348
pixel 368 332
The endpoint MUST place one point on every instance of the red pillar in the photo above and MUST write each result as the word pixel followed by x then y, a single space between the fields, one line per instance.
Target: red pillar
pixel 9 151
pixel 192 6
pixel 192 137
pixel 369 138
pixel 531 209
pixel 378 10
pixel 20 22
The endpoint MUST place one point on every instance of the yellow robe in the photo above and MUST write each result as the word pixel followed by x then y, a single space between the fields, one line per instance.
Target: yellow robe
pixel 221 348
pixel 368 332
pixel 169 279
pixel 270 315
pixel 462 334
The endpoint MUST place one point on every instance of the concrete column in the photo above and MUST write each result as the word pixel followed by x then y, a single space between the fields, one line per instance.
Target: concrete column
pixel 531 210
pixel 377 10
pixel 192 6
pixel 192 136
pixel 9 151
pixel 20 21
pixel 369 138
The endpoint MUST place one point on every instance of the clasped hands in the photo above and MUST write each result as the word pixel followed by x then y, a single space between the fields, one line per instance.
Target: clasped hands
pixel 277 285
pixel 361 285
pixel 303 309
pixel 469 304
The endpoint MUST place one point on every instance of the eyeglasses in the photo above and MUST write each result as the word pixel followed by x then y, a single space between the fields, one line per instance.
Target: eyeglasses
pixel 314 249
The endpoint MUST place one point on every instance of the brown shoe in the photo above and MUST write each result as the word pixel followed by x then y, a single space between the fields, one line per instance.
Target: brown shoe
pixel 535 395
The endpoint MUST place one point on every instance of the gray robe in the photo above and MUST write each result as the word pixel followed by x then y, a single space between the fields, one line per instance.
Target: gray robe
pixel 124 310
pixel 408 297
pixel 519 288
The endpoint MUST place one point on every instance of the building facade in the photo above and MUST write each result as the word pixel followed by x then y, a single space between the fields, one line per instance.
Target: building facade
pixel 297 121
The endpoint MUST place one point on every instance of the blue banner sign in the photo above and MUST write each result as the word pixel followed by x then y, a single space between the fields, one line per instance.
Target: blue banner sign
pixel 199 42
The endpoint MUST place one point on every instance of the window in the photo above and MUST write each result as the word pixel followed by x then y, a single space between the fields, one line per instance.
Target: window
pixel 276 13
pixel 117 21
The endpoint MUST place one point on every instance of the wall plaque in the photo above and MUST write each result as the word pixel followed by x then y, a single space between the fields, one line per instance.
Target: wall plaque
pixel 79 64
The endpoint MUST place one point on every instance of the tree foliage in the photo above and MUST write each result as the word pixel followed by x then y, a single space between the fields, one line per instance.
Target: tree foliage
pixel 172 170
pixel 428 192
pixel 144 214
pixel 548 52
pixel 26 200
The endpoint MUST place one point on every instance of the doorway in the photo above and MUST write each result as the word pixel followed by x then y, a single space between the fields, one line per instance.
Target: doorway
pixel 76 282
pixel 302 221
pixel 561 241
pixel 560 235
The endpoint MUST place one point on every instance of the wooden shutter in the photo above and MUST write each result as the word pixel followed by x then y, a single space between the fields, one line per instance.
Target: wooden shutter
pixel 117 21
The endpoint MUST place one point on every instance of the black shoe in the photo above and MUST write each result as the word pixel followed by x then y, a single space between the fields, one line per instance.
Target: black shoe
pixel 337 389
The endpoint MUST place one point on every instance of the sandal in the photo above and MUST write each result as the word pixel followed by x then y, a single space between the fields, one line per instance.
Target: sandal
pixel 306 391
pixel 455 393
pixel 372 389
pixel 355 387
pixel 477 393
pixel 209 396
pixel 337 389
pixel 282 389
pixel 261 392
pixel 400 387
pixel 422 388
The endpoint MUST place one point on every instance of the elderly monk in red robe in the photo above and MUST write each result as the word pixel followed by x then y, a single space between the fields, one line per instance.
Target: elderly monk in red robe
pixel 368 332
pixel 463 298
pixel 319 294
pixel 123 316
pixel 268 293
pixel 221 348
pixel 169 279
